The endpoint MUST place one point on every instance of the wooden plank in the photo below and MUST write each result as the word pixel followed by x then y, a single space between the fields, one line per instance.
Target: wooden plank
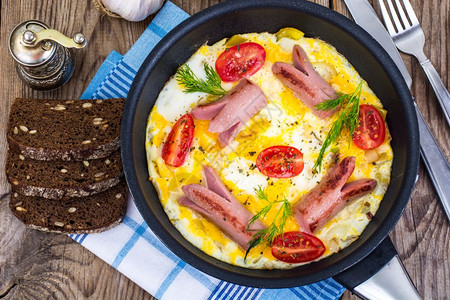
pixel 421 235
pixel 37 265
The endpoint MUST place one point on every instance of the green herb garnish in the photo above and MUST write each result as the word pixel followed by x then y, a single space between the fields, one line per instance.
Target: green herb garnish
pixel 347 117
pixel 267 235
pixel 212 84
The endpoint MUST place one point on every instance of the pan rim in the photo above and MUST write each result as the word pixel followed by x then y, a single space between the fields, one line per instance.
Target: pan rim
pixel 214 268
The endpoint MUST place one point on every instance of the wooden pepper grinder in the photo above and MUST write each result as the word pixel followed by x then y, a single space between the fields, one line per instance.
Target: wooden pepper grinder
pixel 43 55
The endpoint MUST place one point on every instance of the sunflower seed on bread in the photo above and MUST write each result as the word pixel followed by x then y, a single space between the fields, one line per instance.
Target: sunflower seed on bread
pixel 72 215
pixel 62 179
pixel 64 129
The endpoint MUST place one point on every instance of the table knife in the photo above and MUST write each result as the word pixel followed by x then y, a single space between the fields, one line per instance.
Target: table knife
pixel 435 161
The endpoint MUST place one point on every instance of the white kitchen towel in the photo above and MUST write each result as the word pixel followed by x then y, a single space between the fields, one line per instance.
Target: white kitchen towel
pixel 131 247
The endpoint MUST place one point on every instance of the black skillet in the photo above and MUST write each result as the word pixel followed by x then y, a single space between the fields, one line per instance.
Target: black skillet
pixel 363 52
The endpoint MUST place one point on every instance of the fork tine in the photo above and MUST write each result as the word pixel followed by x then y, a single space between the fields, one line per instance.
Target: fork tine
pixel 394 16
pixel 387 19
pixel 411 13
pixel 403 17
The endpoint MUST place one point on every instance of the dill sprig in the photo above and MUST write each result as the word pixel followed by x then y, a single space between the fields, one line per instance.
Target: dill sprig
pixel 212 85
pixel 268 234
pixel 347 118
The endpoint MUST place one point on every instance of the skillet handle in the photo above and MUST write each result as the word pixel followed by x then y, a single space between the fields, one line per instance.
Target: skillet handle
pixel 381 275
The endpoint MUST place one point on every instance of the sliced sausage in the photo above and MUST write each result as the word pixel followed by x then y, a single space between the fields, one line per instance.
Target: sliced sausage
pixel 351 191
pixel 216 203
pixel 232 111
pixel 305 82
pixel 215 184
pixel 318 205
pixel 209 111
pixel 228 135
pixel 356 189
pixel 244 101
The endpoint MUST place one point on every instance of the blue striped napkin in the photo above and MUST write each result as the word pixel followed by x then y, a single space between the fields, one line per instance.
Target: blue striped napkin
pixel 131 247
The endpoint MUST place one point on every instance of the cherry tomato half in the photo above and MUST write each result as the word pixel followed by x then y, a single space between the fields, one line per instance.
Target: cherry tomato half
pixel 371 130
pixel 280 162
pixel 179 141
pixel 239 61
pixel 297 247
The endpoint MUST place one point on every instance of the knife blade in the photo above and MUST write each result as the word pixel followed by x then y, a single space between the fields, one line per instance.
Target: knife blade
pixel 363 14
pixel 435 161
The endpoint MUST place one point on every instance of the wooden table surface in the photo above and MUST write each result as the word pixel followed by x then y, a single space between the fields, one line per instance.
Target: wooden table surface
pixel 37 265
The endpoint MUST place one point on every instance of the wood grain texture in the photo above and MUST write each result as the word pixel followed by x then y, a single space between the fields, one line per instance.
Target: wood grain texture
pixel 422 234
pixel 34 265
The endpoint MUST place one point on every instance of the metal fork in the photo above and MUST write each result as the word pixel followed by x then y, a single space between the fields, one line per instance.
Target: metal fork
pixel 408 36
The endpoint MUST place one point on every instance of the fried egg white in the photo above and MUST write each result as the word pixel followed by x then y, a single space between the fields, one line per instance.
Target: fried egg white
pixel 284 121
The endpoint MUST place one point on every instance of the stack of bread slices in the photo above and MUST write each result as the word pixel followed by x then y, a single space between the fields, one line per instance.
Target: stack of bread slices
pixel 64 164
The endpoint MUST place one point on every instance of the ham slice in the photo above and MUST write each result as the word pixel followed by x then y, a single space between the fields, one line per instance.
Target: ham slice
pixel 216 203
pixel 305 82
pixel 330 196
pixel 232 111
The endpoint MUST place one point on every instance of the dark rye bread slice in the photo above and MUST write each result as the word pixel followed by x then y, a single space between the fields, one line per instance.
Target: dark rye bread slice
pixel 72 215
pixel 59 179
pixel 65 129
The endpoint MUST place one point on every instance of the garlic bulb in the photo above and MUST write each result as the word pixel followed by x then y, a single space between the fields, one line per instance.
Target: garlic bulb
pixel 131 10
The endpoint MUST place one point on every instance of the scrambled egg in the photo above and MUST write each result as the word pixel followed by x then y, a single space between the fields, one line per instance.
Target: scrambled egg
pixel 284 121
